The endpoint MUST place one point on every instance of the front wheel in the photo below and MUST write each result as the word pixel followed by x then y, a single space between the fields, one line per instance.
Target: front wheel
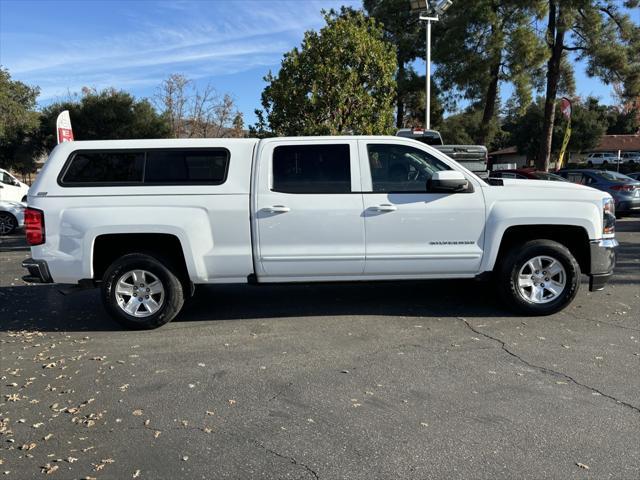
pixel 540 277
pixel 141 292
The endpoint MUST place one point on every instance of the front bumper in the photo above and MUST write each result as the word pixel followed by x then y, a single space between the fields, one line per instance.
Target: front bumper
pixel 603 260
pixel 38 271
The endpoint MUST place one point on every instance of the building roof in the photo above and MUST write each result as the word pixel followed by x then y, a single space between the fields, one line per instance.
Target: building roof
pixel 610 143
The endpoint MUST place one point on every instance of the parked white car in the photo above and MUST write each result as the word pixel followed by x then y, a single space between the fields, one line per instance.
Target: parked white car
pixel 11 188
pixel 11 216
pixel 147 220
pixel 602 158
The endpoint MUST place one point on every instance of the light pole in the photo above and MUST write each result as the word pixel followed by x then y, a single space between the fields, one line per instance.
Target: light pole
pixel 429 11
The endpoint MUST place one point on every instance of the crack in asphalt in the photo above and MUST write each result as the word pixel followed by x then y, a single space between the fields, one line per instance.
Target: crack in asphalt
pixel 546 370
pixel 281 391
pixel 292 460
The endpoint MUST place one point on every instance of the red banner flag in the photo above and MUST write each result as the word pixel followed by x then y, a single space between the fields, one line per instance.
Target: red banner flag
pixel 63 126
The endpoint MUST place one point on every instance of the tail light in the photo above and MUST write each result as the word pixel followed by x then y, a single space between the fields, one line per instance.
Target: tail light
pixel 608 216
pixel 34 226
pixel 623 188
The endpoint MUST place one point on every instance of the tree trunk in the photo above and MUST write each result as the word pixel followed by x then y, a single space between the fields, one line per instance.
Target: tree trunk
pixel 399 92
pixel 556 29
pixel 490 100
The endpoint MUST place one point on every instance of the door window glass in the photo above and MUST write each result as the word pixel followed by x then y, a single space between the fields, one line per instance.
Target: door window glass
pixel 312 169
pixel 400 168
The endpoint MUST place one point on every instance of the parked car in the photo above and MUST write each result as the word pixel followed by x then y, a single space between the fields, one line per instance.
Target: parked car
pixel 472 157
pixel 11 188
pixel 147 220
pixel 631 157
pixel 527 174
pixel 624 189
pixel 11 216
pixel 634 175
pixel 602 158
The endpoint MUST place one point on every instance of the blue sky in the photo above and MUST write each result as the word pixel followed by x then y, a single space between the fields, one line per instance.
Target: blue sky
pixel 63 45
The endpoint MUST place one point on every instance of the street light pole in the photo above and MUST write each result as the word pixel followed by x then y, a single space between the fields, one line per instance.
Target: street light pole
pixel 427 110
pixel 429 11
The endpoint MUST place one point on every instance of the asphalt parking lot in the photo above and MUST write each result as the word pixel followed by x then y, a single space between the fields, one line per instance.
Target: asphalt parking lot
pixel 411 380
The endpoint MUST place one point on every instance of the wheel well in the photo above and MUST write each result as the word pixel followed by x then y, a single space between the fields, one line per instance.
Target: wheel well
pixel 574 238
pixel 108 248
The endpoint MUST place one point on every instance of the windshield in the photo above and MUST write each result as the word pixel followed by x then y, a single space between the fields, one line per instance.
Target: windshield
pixel 615 177
pixel 548 176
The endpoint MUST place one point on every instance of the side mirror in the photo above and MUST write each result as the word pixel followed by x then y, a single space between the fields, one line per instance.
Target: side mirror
pixel 447 181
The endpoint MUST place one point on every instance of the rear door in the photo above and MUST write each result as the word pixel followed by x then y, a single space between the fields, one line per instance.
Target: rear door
pixel 308 210
pixel 410 232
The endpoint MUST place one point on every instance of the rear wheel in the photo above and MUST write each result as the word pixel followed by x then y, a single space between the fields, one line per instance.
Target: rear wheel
pixel 8 223
pixel 141 292
pixel 539 277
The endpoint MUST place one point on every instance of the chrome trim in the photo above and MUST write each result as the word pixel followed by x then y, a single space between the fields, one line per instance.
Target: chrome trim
pixel 605 243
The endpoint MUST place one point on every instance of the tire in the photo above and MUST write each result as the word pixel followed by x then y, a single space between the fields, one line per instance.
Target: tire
pixel 120 276
pixel 535 300
pixel 8 223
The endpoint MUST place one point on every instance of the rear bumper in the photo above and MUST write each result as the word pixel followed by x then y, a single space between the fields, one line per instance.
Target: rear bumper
pixel 603 260
pixel 38 271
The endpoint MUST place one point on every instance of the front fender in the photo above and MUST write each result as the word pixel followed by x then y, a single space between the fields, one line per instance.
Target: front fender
pixel 505 214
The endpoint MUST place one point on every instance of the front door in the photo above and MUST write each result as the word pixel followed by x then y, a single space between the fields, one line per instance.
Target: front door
pixel 308 210
pixel 412 232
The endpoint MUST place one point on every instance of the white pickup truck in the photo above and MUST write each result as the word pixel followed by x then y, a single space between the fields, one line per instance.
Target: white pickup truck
pixel 147 220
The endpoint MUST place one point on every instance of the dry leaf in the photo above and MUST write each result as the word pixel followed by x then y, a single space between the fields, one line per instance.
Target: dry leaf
pixel 210 413
pixel 49 469
pixel 185 458
pixel 582 465
pixel 156 434
pixel 137 413
pixel 136 474
pixel 232 402
pixel 424 424
pixel 28 446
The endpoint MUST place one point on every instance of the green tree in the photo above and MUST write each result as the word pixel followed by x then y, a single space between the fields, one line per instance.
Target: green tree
pixel 18 119
pixel 600 33
pixel 587 127
pixel 479 45
pixel 403 31
pixel 414 100
pixel 340 81
pixel 105 115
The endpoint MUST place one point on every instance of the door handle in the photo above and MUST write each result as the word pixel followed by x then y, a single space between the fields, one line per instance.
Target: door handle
pixel 278 209
pixel 385 207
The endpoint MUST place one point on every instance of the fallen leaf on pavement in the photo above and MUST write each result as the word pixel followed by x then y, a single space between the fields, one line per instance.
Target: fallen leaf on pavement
pixel 582 465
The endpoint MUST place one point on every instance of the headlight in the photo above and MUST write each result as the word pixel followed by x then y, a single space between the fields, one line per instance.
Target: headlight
pixel 608 216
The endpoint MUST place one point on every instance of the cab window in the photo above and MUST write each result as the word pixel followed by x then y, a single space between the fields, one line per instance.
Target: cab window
pixel 323 168
pixel 400 168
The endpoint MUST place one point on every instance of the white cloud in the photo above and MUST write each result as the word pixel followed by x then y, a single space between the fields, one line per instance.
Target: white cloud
pixel 199 39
